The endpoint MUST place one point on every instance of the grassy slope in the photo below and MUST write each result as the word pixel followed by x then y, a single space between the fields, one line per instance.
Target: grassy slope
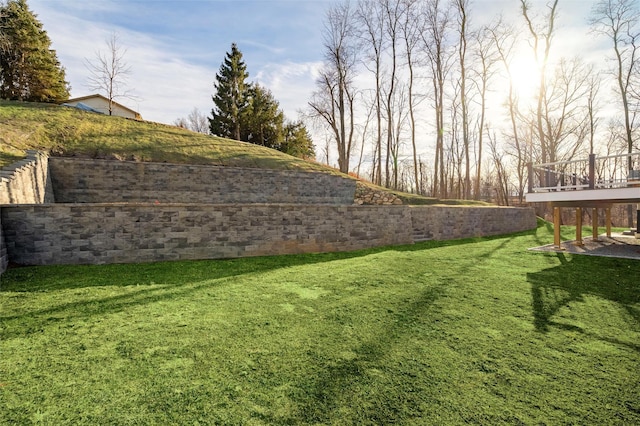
pixel 69 131
pixel 474 331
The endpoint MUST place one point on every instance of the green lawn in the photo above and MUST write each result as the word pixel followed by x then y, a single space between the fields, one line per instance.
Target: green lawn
pixel 474 331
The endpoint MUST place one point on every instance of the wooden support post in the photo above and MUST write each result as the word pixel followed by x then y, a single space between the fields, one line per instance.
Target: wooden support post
pixel 594 223
pixel 592 171
pixel 579 227
pixel 556 228
pixel 608 224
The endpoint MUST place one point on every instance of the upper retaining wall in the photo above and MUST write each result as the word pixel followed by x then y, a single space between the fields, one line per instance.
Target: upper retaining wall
pixel 100 181
pixel 124 233
pixel 27 181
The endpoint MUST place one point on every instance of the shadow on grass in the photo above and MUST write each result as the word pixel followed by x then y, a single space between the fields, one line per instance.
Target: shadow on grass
pixel 576 276
pixel 36 321
pixel 153 282
pixel 323 395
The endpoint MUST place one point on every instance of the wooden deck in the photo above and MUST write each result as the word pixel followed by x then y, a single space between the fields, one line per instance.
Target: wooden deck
pixel 598 182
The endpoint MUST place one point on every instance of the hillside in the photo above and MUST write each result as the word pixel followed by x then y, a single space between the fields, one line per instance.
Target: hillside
pixel 71 132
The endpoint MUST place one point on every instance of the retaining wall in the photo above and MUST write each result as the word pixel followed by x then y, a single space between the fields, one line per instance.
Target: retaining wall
pixel 27 182
pixel 454 222
pixel 99 181
pixel 4 255
pixel 94 233
pixel 124 233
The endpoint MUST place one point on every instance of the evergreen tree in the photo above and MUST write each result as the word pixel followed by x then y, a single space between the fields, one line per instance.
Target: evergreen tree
pixel 248 112
pixel 297 141
pixel 230 98
pixel 262 120
pixel 29 69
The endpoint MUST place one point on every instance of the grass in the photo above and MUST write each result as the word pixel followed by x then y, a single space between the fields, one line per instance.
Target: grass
pixel 69 131
pixel 472 331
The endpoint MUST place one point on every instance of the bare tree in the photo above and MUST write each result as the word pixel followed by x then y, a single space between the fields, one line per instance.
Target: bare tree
pixel 333 102
pixel 437 22
pixel 544 34
pixel 109 72
pixel 181 122
pixel 462 7
pixel 369 15
pixel 566 115
pixel 487 57
pixel 620 20
pixel 198 122
pixel 195 121
pixel 392 15
pixel 519 144
pixel 592 107
pixel 364 134
pixel 411 27
pixel 501 174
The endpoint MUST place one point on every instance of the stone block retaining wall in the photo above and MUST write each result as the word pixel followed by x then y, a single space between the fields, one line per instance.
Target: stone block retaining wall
pixel 27 181
pixel 108 233
pixel 122 212
pixel 123 233
pixel 4 255
pixel 101 181
pixel 454 222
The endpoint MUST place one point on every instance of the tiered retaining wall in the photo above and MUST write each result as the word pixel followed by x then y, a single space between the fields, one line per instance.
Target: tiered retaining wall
pixel 200 212
pixel 122 233
pixel 27 181
pixel 98 181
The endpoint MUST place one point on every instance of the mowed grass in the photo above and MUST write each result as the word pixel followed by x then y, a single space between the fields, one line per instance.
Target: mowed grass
pixel 473 331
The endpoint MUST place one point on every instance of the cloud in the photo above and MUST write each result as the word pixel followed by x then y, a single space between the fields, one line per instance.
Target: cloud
pixel 167 85
pixel 291 84
pixel 172 72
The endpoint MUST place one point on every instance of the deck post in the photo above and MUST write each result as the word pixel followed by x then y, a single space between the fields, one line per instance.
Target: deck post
pixel 556 228
pixel 594 223
pixel 592 171
pixel 608 221
pixel 579 227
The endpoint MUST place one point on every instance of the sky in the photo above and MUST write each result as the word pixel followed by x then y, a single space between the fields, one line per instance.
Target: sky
pixel 175 48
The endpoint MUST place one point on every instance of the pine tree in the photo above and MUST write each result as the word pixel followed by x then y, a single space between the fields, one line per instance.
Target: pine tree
pixel 248 112
pixel 297 141
pixel 29 69
pixel 262 120
pixel 230 98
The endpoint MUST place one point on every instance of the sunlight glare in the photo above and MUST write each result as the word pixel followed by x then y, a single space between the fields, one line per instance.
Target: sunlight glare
pixel 525 77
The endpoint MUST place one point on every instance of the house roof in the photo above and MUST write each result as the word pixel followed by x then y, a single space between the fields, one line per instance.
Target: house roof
pixel 97 95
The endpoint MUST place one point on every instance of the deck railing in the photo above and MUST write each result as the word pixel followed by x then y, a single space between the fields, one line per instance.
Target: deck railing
pixel 613 171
